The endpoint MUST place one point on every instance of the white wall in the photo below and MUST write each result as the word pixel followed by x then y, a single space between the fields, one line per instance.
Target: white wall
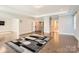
pixel 66 24
pixel 11 26
pixel 5 27
pixel 25 25
pixel 15 27
pixel 46 24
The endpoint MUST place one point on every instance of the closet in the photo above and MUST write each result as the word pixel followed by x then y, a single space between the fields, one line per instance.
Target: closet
pixel 38 27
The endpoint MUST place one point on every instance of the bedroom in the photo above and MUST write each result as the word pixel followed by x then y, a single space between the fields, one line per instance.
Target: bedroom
pixel 57 22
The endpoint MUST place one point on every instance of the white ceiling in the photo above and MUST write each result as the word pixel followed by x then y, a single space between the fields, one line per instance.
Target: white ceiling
pixel 30 10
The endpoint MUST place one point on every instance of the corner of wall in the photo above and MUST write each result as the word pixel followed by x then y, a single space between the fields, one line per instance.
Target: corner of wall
pixel 77 39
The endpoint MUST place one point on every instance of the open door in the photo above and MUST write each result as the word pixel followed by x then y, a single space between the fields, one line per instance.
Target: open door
pixel 54 34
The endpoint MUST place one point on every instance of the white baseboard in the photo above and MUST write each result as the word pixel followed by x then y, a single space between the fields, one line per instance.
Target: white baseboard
pixel 76 37
pixel 24 33
pixel 66 33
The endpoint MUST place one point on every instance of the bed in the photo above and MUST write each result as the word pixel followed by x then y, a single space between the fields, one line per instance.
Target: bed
pixel 29 44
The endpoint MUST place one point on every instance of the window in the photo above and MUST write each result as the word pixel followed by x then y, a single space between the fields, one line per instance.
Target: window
pixel 75 22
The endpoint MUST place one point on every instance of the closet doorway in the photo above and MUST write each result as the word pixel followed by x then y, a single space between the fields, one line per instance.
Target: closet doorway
pixel 38 26
pixel 54 34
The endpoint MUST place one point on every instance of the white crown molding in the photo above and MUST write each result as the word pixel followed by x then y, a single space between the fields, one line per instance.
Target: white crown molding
pixel 49 14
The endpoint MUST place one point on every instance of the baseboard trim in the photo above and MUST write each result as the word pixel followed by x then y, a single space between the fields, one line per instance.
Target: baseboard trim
pixel 26 33
pixel 76 37
pixel 77 40
pixel 66 34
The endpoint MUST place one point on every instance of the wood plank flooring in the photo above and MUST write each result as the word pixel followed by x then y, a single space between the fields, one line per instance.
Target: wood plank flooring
pixel 67 44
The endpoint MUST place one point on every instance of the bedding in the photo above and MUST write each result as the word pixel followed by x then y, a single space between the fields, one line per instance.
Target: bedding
pixel 33 46
pixel 41 41
pixel 15 47
pixel 18 48
pixel 26 42
pixel 30 38
pixel 29 44
pixel 38 37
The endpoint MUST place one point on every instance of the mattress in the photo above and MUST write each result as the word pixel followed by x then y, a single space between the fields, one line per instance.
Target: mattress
pixel 30 38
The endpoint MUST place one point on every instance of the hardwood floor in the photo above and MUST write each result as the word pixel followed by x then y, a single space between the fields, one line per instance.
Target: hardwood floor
pixel 67 44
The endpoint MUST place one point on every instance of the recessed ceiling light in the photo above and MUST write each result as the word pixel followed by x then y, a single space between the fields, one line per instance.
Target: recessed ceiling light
pixel 38 6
